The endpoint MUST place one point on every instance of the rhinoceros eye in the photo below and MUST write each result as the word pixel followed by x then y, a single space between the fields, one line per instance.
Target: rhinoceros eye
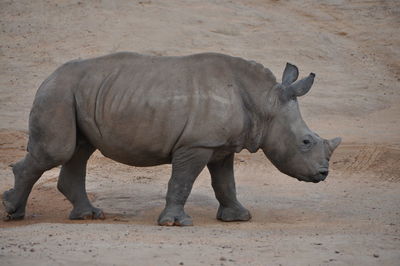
pixel 306 143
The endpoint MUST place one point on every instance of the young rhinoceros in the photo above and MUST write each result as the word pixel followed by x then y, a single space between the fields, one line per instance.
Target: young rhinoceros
pixel 191 111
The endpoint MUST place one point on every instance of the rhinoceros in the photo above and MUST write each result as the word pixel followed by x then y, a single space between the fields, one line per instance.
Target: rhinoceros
pixel 190 111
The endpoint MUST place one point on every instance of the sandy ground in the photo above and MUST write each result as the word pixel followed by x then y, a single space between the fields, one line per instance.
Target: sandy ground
pixel 353 218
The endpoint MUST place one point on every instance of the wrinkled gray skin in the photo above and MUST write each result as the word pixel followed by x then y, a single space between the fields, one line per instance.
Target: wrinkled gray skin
pixel 192 111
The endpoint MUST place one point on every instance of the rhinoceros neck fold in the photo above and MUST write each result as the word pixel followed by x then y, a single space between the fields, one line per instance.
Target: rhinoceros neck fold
pixel 256 85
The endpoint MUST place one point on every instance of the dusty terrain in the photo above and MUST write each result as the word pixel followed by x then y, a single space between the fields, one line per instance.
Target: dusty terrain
pixel 353 218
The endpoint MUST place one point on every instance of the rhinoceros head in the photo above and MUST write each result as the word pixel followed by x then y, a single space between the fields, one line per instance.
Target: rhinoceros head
pixel 289 144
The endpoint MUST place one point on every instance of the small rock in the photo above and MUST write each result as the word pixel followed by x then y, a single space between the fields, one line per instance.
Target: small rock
pixel 376 255
pixel 222 259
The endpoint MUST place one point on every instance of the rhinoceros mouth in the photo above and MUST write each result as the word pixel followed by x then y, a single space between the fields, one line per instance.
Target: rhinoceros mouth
pixel 304 179
pixel 320 176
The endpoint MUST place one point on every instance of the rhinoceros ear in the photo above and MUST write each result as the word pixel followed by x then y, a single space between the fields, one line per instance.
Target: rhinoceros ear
pixel 300 87
pixel 334 143
pixel 290 74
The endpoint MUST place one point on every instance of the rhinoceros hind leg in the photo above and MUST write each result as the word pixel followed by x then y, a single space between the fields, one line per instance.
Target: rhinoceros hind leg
pixel 186 166
pixel 223 183
pixel 52 140
pixel 26 173
pixel 72 183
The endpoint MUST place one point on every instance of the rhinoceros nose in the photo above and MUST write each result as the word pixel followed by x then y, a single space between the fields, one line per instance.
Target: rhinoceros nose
pixel 323 174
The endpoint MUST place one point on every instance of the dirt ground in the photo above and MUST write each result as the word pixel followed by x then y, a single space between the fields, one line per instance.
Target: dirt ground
pixel 353 218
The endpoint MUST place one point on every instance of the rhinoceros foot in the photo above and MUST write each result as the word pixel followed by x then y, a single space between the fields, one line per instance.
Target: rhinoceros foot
pixel 89 213
pixel 173 216
pixel 14 212
pixel 230 214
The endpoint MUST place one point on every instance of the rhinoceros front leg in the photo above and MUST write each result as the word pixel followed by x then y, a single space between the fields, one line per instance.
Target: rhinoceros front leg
pixel 186 166
pixel 72 183
pixel 223 183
